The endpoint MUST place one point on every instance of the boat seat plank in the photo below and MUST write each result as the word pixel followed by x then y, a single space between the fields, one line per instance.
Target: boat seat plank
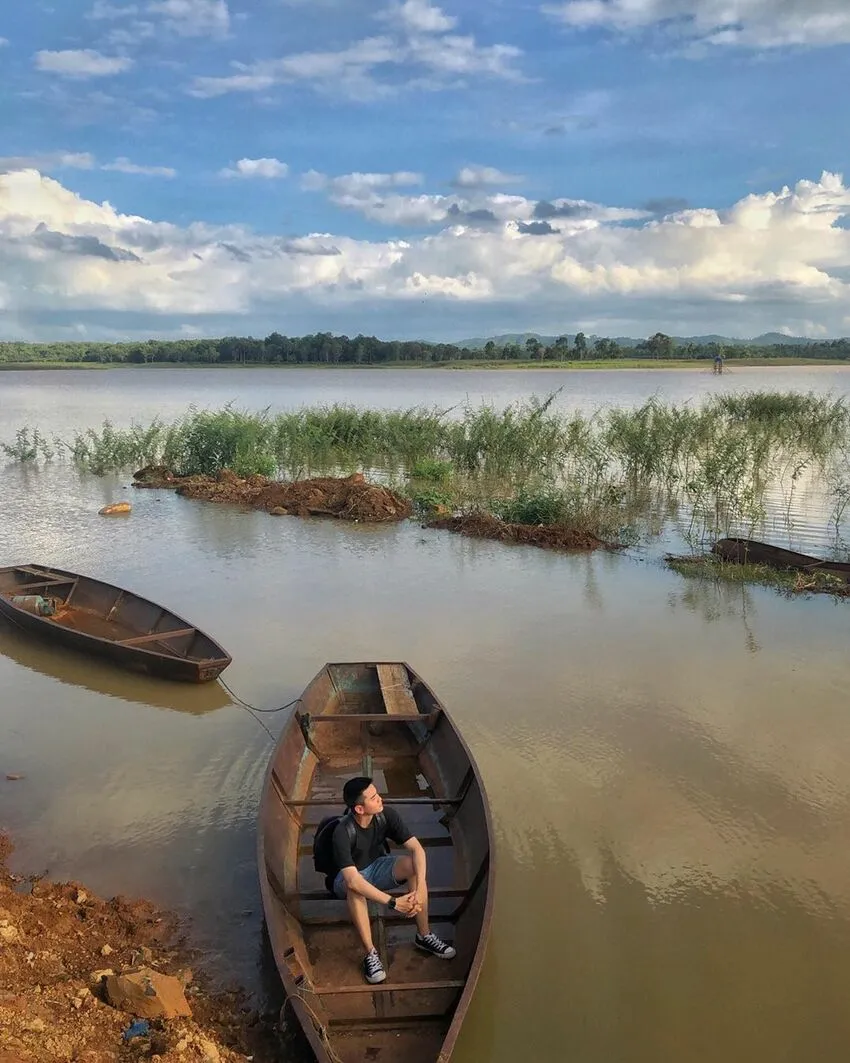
pixel 426 842
pixel 157 636
pixel 390 987
pixel 323 895
pixel 395 688
pixel 27 587
pixel 321 801
pixel 369 717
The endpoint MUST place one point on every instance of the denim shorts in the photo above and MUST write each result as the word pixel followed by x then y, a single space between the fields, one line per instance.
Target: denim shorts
pixel 379 874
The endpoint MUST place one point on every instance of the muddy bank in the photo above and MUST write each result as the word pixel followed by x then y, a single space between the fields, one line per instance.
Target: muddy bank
pixel 64 953
pixel 348 498
pixel 548 536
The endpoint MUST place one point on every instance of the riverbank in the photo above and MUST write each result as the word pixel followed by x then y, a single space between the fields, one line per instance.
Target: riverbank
pixel 696 365
pixel 65 953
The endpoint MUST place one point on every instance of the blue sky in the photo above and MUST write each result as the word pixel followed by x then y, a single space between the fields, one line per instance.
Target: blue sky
pixel 189 167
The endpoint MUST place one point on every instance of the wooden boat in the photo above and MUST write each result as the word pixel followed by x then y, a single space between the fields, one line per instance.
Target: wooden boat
pixel 379 720
pixel 749 551
pixel 107 621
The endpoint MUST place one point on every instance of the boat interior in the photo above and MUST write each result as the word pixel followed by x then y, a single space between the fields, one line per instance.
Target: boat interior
pixel 106 612
pixel 380 721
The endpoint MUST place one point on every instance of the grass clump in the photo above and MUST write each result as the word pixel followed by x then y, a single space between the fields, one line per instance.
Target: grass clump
pixel 29 445
pixel 791 581
pixel 433 470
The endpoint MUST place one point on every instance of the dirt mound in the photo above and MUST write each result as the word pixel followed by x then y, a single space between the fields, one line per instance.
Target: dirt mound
pixel 349 498
pixel 57 940
pixel 548 536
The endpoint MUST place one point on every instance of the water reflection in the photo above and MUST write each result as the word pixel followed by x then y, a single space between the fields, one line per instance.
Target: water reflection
pixel 78 670
pixel 715 602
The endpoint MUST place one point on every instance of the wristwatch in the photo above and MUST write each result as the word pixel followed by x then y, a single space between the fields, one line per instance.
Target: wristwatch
pixel 391 904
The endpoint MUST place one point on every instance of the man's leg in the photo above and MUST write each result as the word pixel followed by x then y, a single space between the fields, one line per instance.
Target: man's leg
pixel 405 871
pixel 358 906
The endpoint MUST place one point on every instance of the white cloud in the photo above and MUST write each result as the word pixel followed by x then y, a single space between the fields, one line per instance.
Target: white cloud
pixel 268 168
pixel 123 165
pixel 359 184
pixel 3 42
pixel 193 18
pixel 750 23
pixel 418 41
pixel 102 10
pixel 81 63
pixel 476 176
pixel 57 160
pixel 734 268
pixel 420 16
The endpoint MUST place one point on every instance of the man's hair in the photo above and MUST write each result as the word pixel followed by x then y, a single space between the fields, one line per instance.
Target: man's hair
pixel 353 790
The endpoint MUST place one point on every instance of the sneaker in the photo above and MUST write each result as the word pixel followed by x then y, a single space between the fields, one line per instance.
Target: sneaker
pixel 432 944
pixel 373 969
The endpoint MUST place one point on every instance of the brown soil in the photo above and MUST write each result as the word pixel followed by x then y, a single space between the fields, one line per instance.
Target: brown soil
pixel 349 498
pixel 548 536
pixel 55 936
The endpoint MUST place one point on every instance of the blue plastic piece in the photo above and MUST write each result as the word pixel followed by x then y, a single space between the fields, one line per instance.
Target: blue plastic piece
pixel 140 1028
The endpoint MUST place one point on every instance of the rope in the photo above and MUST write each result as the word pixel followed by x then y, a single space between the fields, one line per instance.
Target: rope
pixel 321 1029
pixel 252 710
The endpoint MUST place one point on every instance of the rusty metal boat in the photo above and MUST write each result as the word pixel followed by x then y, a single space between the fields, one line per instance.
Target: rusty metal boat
pixel 750 551
pixel 383 721
pixel 88 615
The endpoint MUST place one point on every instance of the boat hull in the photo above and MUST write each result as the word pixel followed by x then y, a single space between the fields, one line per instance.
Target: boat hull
pixel 105 621
pixel 349 722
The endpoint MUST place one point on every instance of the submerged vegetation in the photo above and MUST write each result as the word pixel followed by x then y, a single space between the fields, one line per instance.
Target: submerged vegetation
pixel 711 567
pixel 616 471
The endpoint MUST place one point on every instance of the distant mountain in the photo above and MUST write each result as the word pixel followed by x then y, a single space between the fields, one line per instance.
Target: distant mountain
pixel 768 339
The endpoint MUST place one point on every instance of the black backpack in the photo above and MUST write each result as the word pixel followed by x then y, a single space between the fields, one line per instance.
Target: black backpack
pixel 323 849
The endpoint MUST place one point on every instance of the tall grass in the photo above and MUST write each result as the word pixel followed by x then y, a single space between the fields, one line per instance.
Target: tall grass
pixel 713 462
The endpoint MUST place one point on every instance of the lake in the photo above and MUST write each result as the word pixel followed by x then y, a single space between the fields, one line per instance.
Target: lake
pixel 668 763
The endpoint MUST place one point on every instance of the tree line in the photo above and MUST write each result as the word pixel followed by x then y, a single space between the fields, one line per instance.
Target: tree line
pixel 323 348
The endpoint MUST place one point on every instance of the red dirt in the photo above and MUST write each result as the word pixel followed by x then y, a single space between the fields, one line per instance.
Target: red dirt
pixel 53 936
pixel 349 498
pixel 548 536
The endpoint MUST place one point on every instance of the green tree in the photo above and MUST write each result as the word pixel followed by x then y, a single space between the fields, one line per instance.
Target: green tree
pixel 660 345
pixel 580 344
pixel 532 347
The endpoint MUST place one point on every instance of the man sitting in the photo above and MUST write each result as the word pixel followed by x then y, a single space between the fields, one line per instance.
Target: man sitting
pixel 367 871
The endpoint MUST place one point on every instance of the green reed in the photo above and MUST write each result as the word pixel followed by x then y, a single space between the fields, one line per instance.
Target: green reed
pixel 712 463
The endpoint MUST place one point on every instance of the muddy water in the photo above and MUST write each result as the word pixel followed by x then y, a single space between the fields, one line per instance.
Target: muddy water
pixel 668 764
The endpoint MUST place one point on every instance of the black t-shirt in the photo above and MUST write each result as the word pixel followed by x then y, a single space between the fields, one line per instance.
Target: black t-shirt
pixel 369 843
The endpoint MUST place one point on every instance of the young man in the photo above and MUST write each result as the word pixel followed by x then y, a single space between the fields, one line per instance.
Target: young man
pixel 367 872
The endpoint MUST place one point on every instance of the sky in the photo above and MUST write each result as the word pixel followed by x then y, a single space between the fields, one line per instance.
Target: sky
pixel 409 169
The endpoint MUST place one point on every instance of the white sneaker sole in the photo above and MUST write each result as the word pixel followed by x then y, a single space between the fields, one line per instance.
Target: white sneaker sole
pixel 449 954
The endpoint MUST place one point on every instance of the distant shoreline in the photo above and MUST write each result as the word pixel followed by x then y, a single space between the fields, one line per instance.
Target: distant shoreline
pixel 695 365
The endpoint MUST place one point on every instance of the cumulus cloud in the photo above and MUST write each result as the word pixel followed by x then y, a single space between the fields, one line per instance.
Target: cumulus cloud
pixel 477 176
pixel 3 42
pixel 749 23
pixel 536 228
pixel 774 258
pixel 57 160
pixel 193 18
pixel 420 16
pixel 123 165
pixel 81 63
pixel 102 10
pixel 418 39
pixel 265 168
